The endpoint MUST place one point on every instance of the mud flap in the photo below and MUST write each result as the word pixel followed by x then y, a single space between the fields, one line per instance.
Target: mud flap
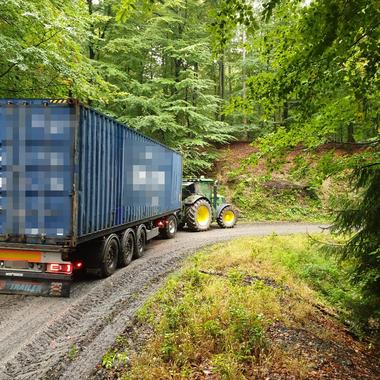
pixel 11 283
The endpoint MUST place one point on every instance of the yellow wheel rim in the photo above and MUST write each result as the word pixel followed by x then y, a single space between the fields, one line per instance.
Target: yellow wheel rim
pixel 228 217
pixel 203 216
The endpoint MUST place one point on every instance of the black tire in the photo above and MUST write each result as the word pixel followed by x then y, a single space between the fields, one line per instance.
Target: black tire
pixel 109 252
pixel 227 218
pixel 196 217
pixel 127 249
pixel 140 241
pixel 170 229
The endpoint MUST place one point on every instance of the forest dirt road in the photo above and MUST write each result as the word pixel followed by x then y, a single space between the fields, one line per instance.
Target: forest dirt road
pixel 64 338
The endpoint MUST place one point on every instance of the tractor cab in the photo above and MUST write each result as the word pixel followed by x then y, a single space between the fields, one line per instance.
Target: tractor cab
pixel 203 186
pixel 202 204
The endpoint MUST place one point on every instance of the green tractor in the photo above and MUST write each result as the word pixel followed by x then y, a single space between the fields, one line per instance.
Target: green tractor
pixel 201 204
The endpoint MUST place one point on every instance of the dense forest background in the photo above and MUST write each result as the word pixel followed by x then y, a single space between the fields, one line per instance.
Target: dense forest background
pixel 194 74
pixel 198 74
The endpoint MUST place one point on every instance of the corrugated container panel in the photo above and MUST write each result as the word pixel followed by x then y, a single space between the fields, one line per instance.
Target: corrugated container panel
pixel 123 175
pixel 36 168
pixel 58 158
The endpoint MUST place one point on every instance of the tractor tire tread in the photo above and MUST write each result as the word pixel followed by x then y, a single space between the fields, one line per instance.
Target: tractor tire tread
pixel 220 221
pixel 191 215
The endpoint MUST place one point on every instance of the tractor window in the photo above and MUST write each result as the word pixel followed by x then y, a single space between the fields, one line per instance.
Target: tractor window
pixel 188 190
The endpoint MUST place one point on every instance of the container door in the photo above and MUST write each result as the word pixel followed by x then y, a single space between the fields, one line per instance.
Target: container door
pixel 36 149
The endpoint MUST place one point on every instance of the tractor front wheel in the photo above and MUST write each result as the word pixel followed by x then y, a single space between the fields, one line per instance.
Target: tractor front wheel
pixel 199 216
pixel 227 218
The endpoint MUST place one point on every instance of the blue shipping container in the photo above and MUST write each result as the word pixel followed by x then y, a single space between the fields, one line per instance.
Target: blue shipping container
pixel 69 173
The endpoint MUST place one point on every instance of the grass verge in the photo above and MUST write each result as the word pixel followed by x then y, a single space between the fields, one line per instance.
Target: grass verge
pixel 227 314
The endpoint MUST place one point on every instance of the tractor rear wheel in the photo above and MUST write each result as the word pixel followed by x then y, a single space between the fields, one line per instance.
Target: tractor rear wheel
pixel 227 218
pixel 199 215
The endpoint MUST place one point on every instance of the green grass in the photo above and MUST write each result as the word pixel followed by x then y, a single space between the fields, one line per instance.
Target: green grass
pixel 72 354
pixel 212 317
pixel 113 359
pixel 296 257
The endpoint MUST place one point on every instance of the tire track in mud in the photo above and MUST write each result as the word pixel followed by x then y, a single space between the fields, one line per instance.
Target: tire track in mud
pixel 58 338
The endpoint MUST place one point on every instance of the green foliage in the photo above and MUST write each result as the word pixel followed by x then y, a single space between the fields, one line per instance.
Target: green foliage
pixel 358 220
pixel 149 64
pixel 41 51
pixel 73 352
pixel 314 169
pixel 263 190
pixel 317 80
pixel 161 60
pixel 316 76
pixel 257 202
pixel 324 273
pixel 113 359
pixel 226 16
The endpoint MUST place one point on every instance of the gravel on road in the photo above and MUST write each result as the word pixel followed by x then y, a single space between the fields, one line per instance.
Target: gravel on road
pixel 64 338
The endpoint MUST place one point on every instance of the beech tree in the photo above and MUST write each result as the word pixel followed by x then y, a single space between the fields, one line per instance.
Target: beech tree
pixel 41 51
pixel 317 80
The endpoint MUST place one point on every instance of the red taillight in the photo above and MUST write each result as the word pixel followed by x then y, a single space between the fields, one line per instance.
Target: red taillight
pixel 59 268
pixel 160 224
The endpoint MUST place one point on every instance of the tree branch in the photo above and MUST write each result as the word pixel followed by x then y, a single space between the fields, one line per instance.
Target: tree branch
pixel 363 35
pixel 5 20
pixel 368 166
pixel 36 45
pixel 9 69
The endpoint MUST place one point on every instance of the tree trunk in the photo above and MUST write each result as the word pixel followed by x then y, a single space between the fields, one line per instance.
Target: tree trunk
pixel 229 82
pixel 221 84
pixel 244 75
pixel 91 51
pixel 350 132
pixel 91 43
pixel 194 97
pixel 285 114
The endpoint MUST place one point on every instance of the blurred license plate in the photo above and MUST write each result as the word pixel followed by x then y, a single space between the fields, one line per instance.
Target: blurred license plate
pixel 43 288
pixel 16 264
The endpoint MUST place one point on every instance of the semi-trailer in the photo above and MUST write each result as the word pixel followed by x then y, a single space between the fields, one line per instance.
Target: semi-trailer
pixel 77 190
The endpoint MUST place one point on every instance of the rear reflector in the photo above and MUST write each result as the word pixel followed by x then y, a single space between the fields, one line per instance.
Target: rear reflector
pixel 59 268
pixel 20 255
pixel 78 265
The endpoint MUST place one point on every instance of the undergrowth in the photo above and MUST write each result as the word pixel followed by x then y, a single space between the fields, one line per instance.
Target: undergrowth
pixel 303 186
pixel 256 202
pixel 212 318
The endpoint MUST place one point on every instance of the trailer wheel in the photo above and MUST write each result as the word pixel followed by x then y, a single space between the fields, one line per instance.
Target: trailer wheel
pixel 128 247
pixel 140 241
pixel 170 229
pixel 109 253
